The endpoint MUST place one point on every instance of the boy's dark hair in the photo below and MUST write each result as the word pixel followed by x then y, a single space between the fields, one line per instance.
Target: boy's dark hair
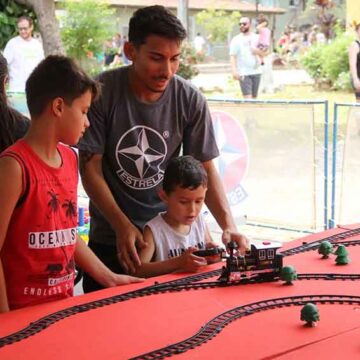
pixel 186 172
pixel 57 76
pixel 9 117
pixel 154 20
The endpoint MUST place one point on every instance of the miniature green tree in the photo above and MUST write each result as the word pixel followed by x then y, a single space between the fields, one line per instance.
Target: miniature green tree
pixel 310 314
pixel 288 274
pixel 342 255
pixel 325 249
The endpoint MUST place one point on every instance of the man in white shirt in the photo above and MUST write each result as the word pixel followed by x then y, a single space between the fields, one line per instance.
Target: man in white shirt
pixel 244 61
pixel 199 43
pixel 22 53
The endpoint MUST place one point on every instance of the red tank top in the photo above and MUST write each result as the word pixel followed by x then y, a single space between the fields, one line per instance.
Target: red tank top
pixel 38 252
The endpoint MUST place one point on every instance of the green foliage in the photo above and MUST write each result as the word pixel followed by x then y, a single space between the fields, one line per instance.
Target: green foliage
pixel 86 26
pixel 9 13
pixel 310 313
pixel 312 62
pixel 288 274
pixel 188 60
pixel 218 23
pixel 342 255
pixel 343 82
pixel 329 62
pixel 325 249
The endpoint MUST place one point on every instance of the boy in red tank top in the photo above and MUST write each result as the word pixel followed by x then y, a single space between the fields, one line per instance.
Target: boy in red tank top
pixel 38 192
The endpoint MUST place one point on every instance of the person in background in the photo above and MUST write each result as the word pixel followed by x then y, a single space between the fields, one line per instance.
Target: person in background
pixel 173 236
pixel 13 125
pixel 145 116
pixel 199 44
pixel 22 53
pixel 38 192
pixel 244 59
pixel 264 35
pixel 354 63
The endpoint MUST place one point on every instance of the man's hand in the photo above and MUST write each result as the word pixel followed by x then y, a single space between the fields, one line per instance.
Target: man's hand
pixel 236 76
pixel 126 239
pixel 189 262
pixel 241 240
pixel 356 84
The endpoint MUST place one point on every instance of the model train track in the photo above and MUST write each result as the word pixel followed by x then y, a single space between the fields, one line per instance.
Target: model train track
pixel 190 282
pixel 43 323
pixel 215 326
pixel 316 244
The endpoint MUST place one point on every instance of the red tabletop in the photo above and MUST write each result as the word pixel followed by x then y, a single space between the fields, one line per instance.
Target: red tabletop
pixel 133 327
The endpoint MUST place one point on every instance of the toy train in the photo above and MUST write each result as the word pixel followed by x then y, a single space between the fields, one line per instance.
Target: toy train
pixel 260 263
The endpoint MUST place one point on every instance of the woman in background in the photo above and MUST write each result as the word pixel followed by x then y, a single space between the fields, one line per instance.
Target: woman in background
pixel 354 62
pixel 13 125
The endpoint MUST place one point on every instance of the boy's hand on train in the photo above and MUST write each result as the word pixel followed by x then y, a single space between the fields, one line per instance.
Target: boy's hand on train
pixel 190 262
pixel 241 240
pixel 126 240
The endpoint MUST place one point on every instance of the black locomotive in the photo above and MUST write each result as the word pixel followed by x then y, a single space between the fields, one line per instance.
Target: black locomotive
pixel 260 263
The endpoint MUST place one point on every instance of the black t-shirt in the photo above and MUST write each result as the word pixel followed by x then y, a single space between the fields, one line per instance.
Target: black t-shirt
pixel 138 139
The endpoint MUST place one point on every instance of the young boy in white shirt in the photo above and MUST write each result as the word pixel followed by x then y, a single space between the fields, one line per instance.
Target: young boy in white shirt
pixel 173 236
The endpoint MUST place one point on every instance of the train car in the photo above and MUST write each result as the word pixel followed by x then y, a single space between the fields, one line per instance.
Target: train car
pixel 260 263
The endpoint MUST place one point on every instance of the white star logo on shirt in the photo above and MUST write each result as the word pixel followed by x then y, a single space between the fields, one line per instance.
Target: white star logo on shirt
pixel 142 154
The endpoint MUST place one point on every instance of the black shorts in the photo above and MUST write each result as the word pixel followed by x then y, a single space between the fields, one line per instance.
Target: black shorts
pixel 249 85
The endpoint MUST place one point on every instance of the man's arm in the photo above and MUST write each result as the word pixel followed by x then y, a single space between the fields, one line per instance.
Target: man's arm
pixel 353 53
pixel 8 52
pixel 218 205
pixel 234 71
pixel 127 235
pixel 91 264
pixel 10 192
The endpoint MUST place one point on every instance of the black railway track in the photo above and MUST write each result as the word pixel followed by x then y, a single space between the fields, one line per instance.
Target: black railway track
pixel 215 325
pixel 39 325
pixel 315 244
pixel 191 282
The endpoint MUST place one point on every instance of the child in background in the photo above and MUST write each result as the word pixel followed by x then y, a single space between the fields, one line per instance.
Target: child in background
pixel 174 235
pixel 13 125
pixel 38 192
pixel 264 35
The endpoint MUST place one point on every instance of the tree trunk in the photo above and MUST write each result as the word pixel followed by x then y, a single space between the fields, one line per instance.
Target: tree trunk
pixel 48 25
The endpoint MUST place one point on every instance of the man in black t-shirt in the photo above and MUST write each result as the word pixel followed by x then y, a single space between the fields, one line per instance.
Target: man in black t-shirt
pixel 145 116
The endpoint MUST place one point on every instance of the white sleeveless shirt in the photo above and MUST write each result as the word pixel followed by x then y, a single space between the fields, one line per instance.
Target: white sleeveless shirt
pixel 169 243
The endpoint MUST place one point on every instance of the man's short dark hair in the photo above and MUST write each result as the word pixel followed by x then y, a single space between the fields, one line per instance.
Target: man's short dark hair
pixel 25 17
pixel 154 20
pixel 186 172
pixel 57 76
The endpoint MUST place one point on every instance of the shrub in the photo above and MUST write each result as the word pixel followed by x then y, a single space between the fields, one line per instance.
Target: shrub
pixel 188 60
pixel 86 26
pixel 329 63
